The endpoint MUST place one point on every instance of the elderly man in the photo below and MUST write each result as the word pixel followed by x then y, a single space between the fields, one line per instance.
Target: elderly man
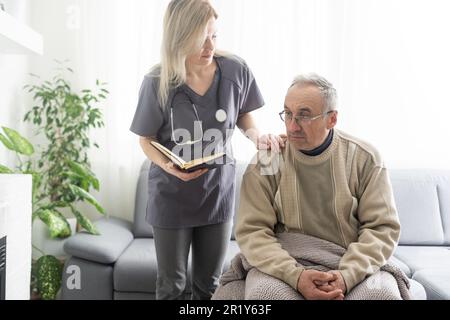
pixel 329 189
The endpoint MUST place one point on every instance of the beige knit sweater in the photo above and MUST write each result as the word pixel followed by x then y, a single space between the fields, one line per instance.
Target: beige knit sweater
pixel 342 195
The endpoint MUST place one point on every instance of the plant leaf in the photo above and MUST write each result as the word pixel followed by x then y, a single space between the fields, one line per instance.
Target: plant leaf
pixel 73 176
pixel 85 185
pixel 8 144
pixel 59 204
pixel 21 145
pixel 56 222
pixel 4 169
pixel 85 222
pixel 86 196
pixel 48 271
pixel 85 173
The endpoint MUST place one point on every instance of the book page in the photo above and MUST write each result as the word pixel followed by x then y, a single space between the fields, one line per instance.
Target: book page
pixel 169 154
pixel 196 162
pixel 180 162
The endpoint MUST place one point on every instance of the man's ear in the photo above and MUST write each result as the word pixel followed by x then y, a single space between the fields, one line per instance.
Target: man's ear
pixel 332 120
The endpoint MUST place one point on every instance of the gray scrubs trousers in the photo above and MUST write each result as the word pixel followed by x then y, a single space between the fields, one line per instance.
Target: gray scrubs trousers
pixel 209 246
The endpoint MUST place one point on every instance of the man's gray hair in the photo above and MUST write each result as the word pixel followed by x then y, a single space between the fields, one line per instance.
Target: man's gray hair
pixel 326 88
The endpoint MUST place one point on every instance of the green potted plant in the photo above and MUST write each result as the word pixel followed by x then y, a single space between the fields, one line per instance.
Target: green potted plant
pixel 61 171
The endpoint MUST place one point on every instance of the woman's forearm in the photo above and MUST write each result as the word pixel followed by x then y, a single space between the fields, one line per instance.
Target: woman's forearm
pixel 248 127
pixel 151 152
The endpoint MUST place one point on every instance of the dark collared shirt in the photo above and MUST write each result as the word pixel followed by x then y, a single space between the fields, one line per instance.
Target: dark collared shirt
pixel 321 148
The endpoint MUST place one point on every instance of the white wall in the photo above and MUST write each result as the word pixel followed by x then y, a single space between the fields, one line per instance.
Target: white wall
pixel 13 76
pixel 388 60
pixel 112 41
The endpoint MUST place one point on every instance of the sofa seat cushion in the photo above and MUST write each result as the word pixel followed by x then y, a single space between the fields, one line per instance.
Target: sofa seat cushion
pixel 436 282
pixel 423 257
pixel 417 290
pixel 95 280
pixel 136 268
pixel 233 249
pixel 115 236
pixel 134 296
pixel 396 261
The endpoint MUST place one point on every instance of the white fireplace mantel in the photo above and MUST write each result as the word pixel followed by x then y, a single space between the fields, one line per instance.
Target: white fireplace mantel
pixel 15 223
pixel 3 209
pixel 18 38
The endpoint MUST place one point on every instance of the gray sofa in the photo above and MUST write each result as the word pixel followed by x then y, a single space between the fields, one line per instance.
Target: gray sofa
pixel 121 262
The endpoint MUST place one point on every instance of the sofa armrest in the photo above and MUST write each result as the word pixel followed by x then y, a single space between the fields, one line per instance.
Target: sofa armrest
pixel 115 236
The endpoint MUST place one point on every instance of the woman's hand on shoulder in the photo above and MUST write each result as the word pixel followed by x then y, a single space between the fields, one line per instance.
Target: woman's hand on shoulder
pixel 271 142
pixel 172 169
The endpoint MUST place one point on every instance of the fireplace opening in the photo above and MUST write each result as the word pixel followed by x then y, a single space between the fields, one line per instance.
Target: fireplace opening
pixel 2 268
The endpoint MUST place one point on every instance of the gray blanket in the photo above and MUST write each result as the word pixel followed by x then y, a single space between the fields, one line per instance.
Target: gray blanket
pixel 242 281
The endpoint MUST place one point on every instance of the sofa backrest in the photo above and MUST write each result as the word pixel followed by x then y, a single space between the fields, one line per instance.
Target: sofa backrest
pixel 422 198
pixel 141 228
pixel 423 203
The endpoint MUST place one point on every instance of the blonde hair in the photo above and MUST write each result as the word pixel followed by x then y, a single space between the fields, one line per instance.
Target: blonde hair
pixel 183 34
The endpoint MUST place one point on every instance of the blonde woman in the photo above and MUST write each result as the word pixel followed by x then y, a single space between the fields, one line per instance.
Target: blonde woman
pixel 196 92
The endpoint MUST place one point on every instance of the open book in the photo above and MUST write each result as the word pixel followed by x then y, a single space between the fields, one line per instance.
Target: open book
pixel 189 166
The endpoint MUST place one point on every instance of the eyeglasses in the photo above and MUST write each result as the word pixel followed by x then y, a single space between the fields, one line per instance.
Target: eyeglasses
pixel 305 120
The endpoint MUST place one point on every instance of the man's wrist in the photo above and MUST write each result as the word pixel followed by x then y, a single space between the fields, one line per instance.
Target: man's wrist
pixel 344 289
pixel 299 280
pixel 347 277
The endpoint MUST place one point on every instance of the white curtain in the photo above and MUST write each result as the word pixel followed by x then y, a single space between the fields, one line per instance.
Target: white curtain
pixel 13 70
pixel 387 58
pixel 116 42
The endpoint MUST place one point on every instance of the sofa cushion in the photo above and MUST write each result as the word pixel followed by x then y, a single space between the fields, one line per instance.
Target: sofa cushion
pixel 115 236
pixel 396 261
pixel 443 189
pixel 417 290
pixel 95 281
pixel 136 269
pixel 436 282
pixel 423 257
pixel 233 249
pixel 418 209
pixel 118 295
pixel 141 228
pixel 423 202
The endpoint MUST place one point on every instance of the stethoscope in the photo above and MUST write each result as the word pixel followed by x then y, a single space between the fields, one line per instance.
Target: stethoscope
pixel 221 115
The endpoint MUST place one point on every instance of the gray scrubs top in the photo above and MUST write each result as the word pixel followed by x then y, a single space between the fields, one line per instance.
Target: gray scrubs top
pixel 209 199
